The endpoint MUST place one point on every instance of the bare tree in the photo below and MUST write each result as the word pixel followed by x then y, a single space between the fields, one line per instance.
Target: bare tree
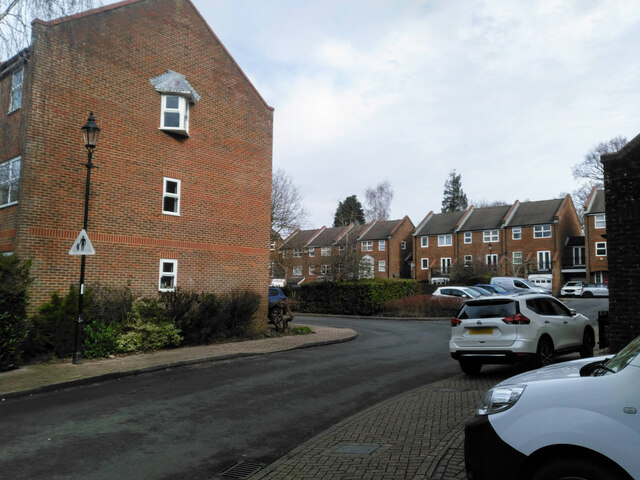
pixel 378 200
pixel 16 17
pixel 591 169
pixel 486 203
pixel 287 212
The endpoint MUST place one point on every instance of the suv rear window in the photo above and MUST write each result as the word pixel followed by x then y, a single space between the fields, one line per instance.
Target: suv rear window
pixel 488 309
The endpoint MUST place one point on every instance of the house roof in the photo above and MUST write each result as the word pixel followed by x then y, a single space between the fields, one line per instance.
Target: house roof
pixel 596 204
pixel 299 238
pixel 380 229
pixel 130 2
pixel 536 213
pixel 440 223
pixel 485 218
pixel 326 237
pixel 351 235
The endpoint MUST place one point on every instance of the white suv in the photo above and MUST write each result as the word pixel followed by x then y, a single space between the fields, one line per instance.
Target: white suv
pixel 573 420
pixel 518 328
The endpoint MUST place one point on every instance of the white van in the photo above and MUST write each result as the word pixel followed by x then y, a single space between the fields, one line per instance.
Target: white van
pixel 515 284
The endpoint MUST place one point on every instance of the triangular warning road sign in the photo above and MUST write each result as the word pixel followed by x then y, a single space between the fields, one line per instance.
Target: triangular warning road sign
pixel 82 245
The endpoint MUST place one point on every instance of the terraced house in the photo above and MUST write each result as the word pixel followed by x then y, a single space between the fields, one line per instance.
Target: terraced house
pixel 181 194
pixel 526 239
pixel 379 249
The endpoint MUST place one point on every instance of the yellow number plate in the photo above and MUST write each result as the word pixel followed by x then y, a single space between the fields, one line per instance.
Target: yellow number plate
pixel 481 331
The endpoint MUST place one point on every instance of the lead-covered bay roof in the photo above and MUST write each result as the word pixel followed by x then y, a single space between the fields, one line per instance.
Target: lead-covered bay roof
pixel 174 82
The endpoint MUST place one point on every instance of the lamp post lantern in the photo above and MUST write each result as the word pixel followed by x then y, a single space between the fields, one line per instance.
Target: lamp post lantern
pixel 90 132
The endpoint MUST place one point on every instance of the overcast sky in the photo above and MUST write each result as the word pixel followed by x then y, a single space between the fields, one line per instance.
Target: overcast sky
pixel 510 94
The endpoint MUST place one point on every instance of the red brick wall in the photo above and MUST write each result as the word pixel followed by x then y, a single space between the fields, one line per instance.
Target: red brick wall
pixel 593 235
pixel 104 62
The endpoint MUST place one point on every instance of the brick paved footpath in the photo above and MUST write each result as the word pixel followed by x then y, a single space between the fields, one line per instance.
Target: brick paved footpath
pixel 416 435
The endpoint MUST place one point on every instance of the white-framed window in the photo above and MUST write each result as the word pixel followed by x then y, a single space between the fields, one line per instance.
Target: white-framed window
pixel 341 248
pixel 297 252
pixel 517 258
pixel 297 270
pixel 312 251
pixel 9 181
pixel 403 245
pixel 175 114
pixel 15 99
pixel 382 245
pixel 168 280
pixel 382 266
pixel 424 263
pixel 516 233
pixel 444 240
pixel 601 249
pixel 468 237
pixel 284 254
pixel 492 259
pixel 445 264
pixel 325 251
pixel 367 246
pixel 272 246
pixel 325 269
pixel 542 231
pixel 468 259
pixel 171 196
pixel 354 247
pixel 312 269
pixel 489 236
pixel 544 260
pixel 424 242
pixel 600 220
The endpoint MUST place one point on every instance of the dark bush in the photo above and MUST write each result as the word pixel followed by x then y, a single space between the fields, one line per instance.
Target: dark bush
pixel 109 305
pixel 14 281
pixel 101 339
pixel 238 310
pixel 205 321
pixel 422 306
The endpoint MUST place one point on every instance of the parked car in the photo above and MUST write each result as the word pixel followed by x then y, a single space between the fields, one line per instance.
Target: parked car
pixel 573 420
pixel 543 281
pixel 496 289
pixel 462 292
pixel 481 290
pixel 595 290
pixel 275 295
pixel 515 284
pixel 527 328
pixel 573 288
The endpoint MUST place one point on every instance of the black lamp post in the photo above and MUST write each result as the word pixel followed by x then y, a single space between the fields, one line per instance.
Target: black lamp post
pixel 90 132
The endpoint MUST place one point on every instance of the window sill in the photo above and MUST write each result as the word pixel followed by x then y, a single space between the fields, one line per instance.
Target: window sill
pixel 176 131
pixel 7 205
pixel 172 214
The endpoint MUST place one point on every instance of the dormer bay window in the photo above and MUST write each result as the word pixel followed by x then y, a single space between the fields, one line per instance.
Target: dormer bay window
pixel 177 98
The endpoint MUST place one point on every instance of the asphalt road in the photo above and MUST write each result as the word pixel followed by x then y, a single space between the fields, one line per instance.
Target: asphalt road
pixel 193 422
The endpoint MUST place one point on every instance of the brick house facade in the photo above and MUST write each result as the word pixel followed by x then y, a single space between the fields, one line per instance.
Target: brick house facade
pixel 184 155
pixel 319 254
pixel 595 238
pixel 526 239
pixel 622 189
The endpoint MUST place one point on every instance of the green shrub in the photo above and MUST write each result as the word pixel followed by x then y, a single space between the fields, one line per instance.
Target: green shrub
pixel 147 328
pixel 110 305
pixel 101 339
pixel 237 312
pixel 14 281
pixel 205 322
pixel 422 306
pixel 185 310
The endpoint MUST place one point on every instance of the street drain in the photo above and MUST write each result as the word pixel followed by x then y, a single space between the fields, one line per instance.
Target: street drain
pixel 357 449
pixel 242 469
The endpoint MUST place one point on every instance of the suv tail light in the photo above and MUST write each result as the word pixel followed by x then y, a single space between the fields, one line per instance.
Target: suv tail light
pixel 455 322
pixel 517 319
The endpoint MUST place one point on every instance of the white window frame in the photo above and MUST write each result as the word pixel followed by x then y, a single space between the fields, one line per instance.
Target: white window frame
pixel 424 264
pixel 544 259
pixel 516 233
pixel 297 270
pixel 491 236
pixel 173 274
pixel 542 231
pixel 382 245
pixel 468 237
pixel 312 251
pixel 325 269
pixel 516 259
pixel 341 248
pixel 297 252
pixel 176 196
pixel 182 110
pixel 468 259
pixel 382 266
pixel 491 259
pixel 601 247
pixel 367 246
pixel 600 220
pixel 272 246
pixel 424 242
pixel 15 97
pixel 403 245
pixel 10 184
pixel 312 269
pixel 325 251
pixel 445 240
pixel 445 265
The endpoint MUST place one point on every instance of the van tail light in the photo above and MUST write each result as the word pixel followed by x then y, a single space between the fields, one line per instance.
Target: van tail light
pixel 517 319
pixel 455 322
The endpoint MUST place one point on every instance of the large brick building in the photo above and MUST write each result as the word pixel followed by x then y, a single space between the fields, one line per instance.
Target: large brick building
pixel 526 239
pixel 181 194
pixel 622 188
